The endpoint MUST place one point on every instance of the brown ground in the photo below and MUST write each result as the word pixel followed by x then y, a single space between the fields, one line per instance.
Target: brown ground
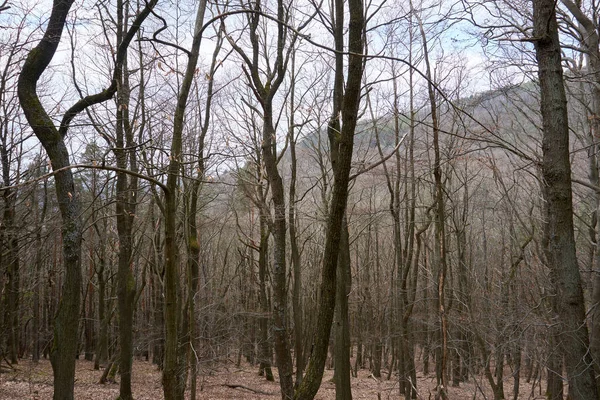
pixel 34 382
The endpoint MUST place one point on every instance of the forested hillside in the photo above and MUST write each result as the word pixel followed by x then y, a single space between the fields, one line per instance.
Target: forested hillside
pixel 402 190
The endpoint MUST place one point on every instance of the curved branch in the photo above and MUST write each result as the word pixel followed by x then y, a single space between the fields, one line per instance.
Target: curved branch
pixel 108 93
pixel 381 161
pixel 87 166
pixel 164 42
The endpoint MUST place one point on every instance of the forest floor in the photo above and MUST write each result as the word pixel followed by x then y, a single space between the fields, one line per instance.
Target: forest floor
pixel 226 381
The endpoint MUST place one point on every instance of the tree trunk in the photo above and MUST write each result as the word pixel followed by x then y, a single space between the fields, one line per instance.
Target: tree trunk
pixel 554 388
pixel 282 347
pixel 102 344
pixel 10 257
pixel 173 376
pixel 342 328
pixel 559 245
pixel 9 247
pixel 157 289
pixel 441 329
pixel 295 251
pixel 64 347
pixel 264 346
pixel 349 113
pixel 126 195
pixel 37 294
pixel 591 43
pixel 89 325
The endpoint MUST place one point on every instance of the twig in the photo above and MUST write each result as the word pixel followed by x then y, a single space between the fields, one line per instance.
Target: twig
pixel 236 386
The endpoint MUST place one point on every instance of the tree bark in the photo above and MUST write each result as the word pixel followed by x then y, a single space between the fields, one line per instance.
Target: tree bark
pixel 591 42
pixel 557 193
pixel 314 372
pixel 294 248
pixel 342 328
pixel 9 246
pixel 173 377
pixel 343 273
pixel 64 348
pixel 41 216
pixel 102 344
pixel 265 353
pixel 126 191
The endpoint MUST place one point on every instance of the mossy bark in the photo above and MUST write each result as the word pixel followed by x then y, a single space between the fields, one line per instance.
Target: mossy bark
pixel 64 348
pixel 52 138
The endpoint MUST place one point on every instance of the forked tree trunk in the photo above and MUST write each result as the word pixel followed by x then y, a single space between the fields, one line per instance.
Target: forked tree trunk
pixel 173 376
pixel 314 373
pixel 341 322
pixel 265 90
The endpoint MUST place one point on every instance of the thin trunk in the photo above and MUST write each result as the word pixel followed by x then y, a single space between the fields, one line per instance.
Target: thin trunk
pixel 173 377
pixel 554 368
pixel 38 272
pixel 295 251
pixel 102 344
pixel 516 356
pixel 10 257
pixel 440 234
pixel 126 189
pixel 264 345
pixel 89 323
pixel 157 273
pixel 193 236
pixel 9 245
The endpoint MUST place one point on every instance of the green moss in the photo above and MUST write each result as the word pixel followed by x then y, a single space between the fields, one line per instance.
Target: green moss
pixel 193 244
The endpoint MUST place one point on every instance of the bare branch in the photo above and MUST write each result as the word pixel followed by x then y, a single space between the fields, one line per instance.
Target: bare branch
pixel 87 166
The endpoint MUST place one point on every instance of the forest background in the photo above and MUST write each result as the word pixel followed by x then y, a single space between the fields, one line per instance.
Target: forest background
pixel 396 186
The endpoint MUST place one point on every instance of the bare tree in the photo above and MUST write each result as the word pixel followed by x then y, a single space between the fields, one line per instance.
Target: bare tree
pixel 64 348
pixel 344 149
pixel 265 89
pixel 559 241
pixel 174 368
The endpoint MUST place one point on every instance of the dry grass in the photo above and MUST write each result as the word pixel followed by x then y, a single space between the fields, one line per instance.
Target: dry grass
pixel 225 381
